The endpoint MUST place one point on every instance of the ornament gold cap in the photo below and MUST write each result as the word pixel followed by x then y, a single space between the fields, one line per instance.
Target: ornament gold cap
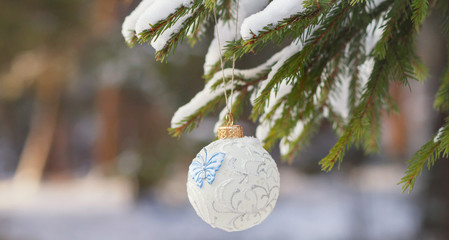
pixel 229 132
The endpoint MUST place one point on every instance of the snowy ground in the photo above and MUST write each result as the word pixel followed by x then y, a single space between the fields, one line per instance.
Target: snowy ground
pixel 365 205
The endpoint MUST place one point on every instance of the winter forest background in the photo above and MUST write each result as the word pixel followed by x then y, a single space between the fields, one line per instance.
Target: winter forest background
pixel 85 153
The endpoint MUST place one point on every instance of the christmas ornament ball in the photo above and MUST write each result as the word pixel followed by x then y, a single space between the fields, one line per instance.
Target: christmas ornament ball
pixel 233 183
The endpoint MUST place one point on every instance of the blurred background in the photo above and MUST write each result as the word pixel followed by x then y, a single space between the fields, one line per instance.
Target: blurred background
pixel 85 154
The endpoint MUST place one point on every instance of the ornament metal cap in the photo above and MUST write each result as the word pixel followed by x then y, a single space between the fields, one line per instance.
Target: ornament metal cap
pixel 230 130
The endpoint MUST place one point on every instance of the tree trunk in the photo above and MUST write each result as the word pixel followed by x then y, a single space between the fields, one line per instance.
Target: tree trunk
pixel 108 100
pixel 39 141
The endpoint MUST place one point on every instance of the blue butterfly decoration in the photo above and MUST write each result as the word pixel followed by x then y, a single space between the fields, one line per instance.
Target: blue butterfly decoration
pixel 204 168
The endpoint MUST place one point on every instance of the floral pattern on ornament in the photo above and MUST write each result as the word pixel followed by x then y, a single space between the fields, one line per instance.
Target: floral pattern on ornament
pixel 205 168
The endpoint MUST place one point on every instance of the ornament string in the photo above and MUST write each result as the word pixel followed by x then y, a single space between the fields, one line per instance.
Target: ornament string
pixel 229 117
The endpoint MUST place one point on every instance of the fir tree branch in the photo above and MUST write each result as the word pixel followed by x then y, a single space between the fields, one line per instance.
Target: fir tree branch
pixel 442 97
pixel 309 113
pixel 199 14
pixel 290 69
pixel 353 2
pixel 132 42
pixel 310 128
pixel 354 130
pixel 192 121
pixel 191 22
pixel 356 57
pixel 215 68
pixel 157 29
pixel 429 153
pixel 371 142
pixel 318 51
pixel 420 11
pixel 292 27
pixel 396 65
pixel 393 17
pixel 283 123
pixel 241 88
pixel 442 8
pixel 333 34
pixel 336 120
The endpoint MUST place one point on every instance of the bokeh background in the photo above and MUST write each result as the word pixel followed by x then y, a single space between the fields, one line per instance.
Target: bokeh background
pixel 85 153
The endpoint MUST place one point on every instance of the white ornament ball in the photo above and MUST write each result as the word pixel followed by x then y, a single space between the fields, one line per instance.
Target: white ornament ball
pixel 233 184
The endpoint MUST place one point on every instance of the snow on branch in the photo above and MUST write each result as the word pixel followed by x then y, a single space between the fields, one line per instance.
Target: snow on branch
pixel 340 63
pixel 129 24
pixel 274 106
pixel 284 145
pixel 289 26
pixel 159 42
pixel 213 93
pixel 163 23
pixel 274 109
pixel 226 29
pixel 267 86
pixel 158 11
pixel 196 103
pixel 276 11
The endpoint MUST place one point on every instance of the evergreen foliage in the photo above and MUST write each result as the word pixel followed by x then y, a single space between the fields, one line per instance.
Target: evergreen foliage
pixel 332 35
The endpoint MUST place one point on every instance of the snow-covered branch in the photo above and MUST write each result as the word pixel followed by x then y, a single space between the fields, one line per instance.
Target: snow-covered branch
pixel 337 60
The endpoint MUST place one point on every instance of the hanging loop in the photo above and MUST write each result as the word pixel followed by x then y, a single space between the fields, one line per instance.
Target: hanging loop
pixel 229 119
pixel 229 103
